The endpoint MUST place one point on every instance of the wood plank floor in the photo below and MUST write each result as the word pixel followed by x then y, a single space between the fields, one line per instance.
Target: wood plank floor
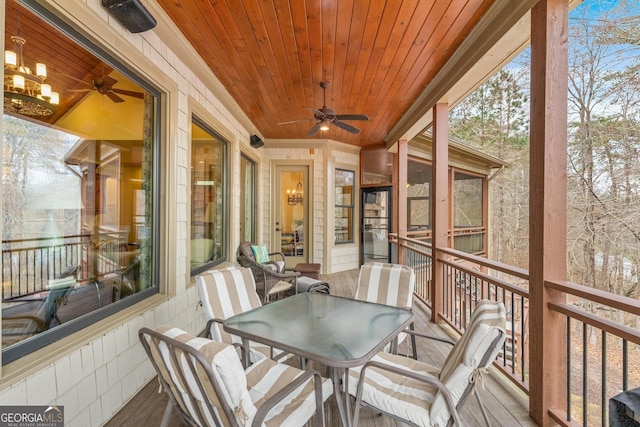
pixel 503 406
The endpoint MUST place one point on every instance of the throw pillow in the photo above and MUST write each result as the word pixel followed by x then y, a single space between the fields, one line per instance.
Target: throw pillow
pixel 260 253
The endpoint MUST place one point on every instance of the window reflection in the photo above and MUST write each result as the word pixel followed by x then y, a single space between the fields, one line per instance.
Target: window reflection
pixel 208 204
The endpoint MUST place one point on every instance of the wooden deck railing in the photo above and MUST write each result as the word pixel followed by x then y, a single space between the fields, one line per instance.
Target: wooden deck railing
pixel 602 339
pixel 29 264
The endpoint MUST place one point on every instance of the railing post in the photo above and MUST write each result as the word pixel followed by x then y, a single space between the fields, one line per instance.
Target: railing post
pixel 401 194
pixel 440 203
pixel 547 207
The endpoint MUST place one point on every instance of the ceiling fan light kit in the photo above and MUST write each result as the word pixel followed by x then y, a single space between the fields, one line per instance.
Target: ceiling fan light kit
pixel 325 116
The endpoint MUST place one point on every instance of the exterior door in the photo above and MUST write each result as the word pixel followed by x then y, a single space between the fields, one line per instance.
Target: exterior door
pixel 376 224
pixel 292 212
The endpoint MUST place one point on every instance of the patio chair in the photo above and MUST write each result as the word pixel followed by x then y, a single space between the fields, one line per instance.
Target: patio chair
pixel 269 271
pixel 207 385
pixel 424 395
pixel 224 293
pixel 390 284
pixel 20 326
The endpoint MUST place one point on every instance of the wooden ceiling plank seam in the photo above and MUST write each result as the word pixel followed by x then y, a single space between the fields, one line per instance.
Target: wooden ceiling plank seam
pixel 369 34
pixel 303 48
pixel 302 54
pixel 225 61
pixel 413 55
pixel 356 34
pixel 246 41
pixel 314 22
pixel 345 8
pixel 274 53
pixel 213 49
pixel 419 18
pixel 498 19
pixel 458 31
pixel 381 43
pixel 329 30
pixel 294 90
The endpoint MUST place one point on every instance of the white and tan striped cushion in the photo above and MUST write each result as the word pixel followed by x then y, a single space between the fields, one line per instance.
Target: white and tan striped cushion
pixel 226 368
pixel 225 293
pixel 396 394
pixel 423 404
pixel 390 284
pixel 486 324
pixel 267 377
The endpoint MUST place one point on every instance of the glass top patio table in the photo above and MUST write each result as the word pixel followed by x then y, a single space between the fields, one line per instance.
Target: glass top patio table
pixel 338 332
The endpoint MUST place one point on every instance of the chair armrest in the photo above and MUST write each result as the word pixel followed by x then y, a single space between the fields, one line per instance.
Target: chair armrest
pixel 262 412
pixel 206 332
pixel 428 379
pixel 280 254
pixel 429 337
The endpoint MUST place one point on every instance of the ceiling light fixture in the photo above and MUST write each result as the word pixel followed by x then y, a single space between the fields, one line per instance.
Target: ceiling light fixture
pixel 296 196
pixel 25 92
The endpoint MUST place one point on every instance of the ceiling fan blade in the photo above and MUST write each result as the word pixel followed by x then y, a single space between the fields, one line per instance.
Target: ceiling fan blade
pixel 79 90
pixel 295 121
pixel 346 126
pixel 112 96
pixel 318 114
pixel 352 117
pixel 128 93
pixel 314 129
pixel 108 81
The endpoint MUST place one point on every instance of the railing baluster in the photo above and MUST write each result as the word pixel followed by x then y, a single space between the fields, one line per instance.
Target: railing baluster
pixel 568 368
pixel 625 365
pixel 603 389
pixel 585 385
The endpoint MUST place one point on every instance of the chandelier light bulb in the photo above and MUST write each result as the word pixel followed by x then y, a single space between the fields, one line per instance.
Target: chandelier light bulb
pixel 10 58
pixel 18 82
pixel 41 70
pixel 55 98
pixel 45 91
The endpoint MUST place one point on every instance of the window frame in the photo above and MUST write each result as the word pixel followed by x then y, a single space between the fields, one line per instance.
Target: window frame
pixel 254 201
pixel 200 122
pixel 63 331
pixel 338 205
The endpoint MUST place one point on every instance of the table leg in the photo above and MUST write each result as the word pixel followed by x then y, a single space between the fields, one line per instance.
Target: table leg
pixel 344 413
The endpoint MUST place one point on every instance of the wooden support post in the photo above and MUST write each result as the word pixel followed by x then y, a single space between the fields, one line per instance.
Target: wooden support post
pixel 440 204
pixel 547 207
pixel 401 193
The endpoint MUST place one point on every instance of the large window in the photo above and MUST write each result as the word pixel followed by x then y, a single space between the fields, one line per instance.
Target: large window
pixel 419 187
pixel 79 188
pixel 344 203
pixel 468 212
pixel 208 198
pixel 247 199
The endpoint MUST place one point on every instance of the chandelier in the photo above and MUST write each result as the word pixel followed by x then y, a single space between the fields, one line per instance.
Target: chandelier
pixel 25 92
pixel 295 197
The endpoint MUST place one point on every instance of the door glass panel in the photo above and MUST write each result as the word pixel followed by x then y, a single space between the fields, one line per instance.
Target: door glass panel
pixel 292 225
pixel 376 220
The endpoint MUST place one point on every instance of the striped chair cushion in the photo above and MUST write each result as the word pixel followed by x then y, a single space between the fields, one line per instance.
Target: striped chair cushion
pixel 266 377
pixel 487 323
pixel 423 404
pixel 390 284
pixel 225 293
pixel 396 394
pixel 227 371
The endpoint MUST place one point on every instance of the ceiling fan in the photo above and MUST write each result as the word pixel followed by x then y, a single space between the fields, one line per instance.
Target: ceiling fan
pixel 104 86
pixel 325 116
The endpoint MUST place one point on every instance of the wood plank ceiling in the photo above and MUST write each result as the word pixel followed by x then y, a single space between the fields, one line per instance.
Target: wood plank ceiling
pixel 377 55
